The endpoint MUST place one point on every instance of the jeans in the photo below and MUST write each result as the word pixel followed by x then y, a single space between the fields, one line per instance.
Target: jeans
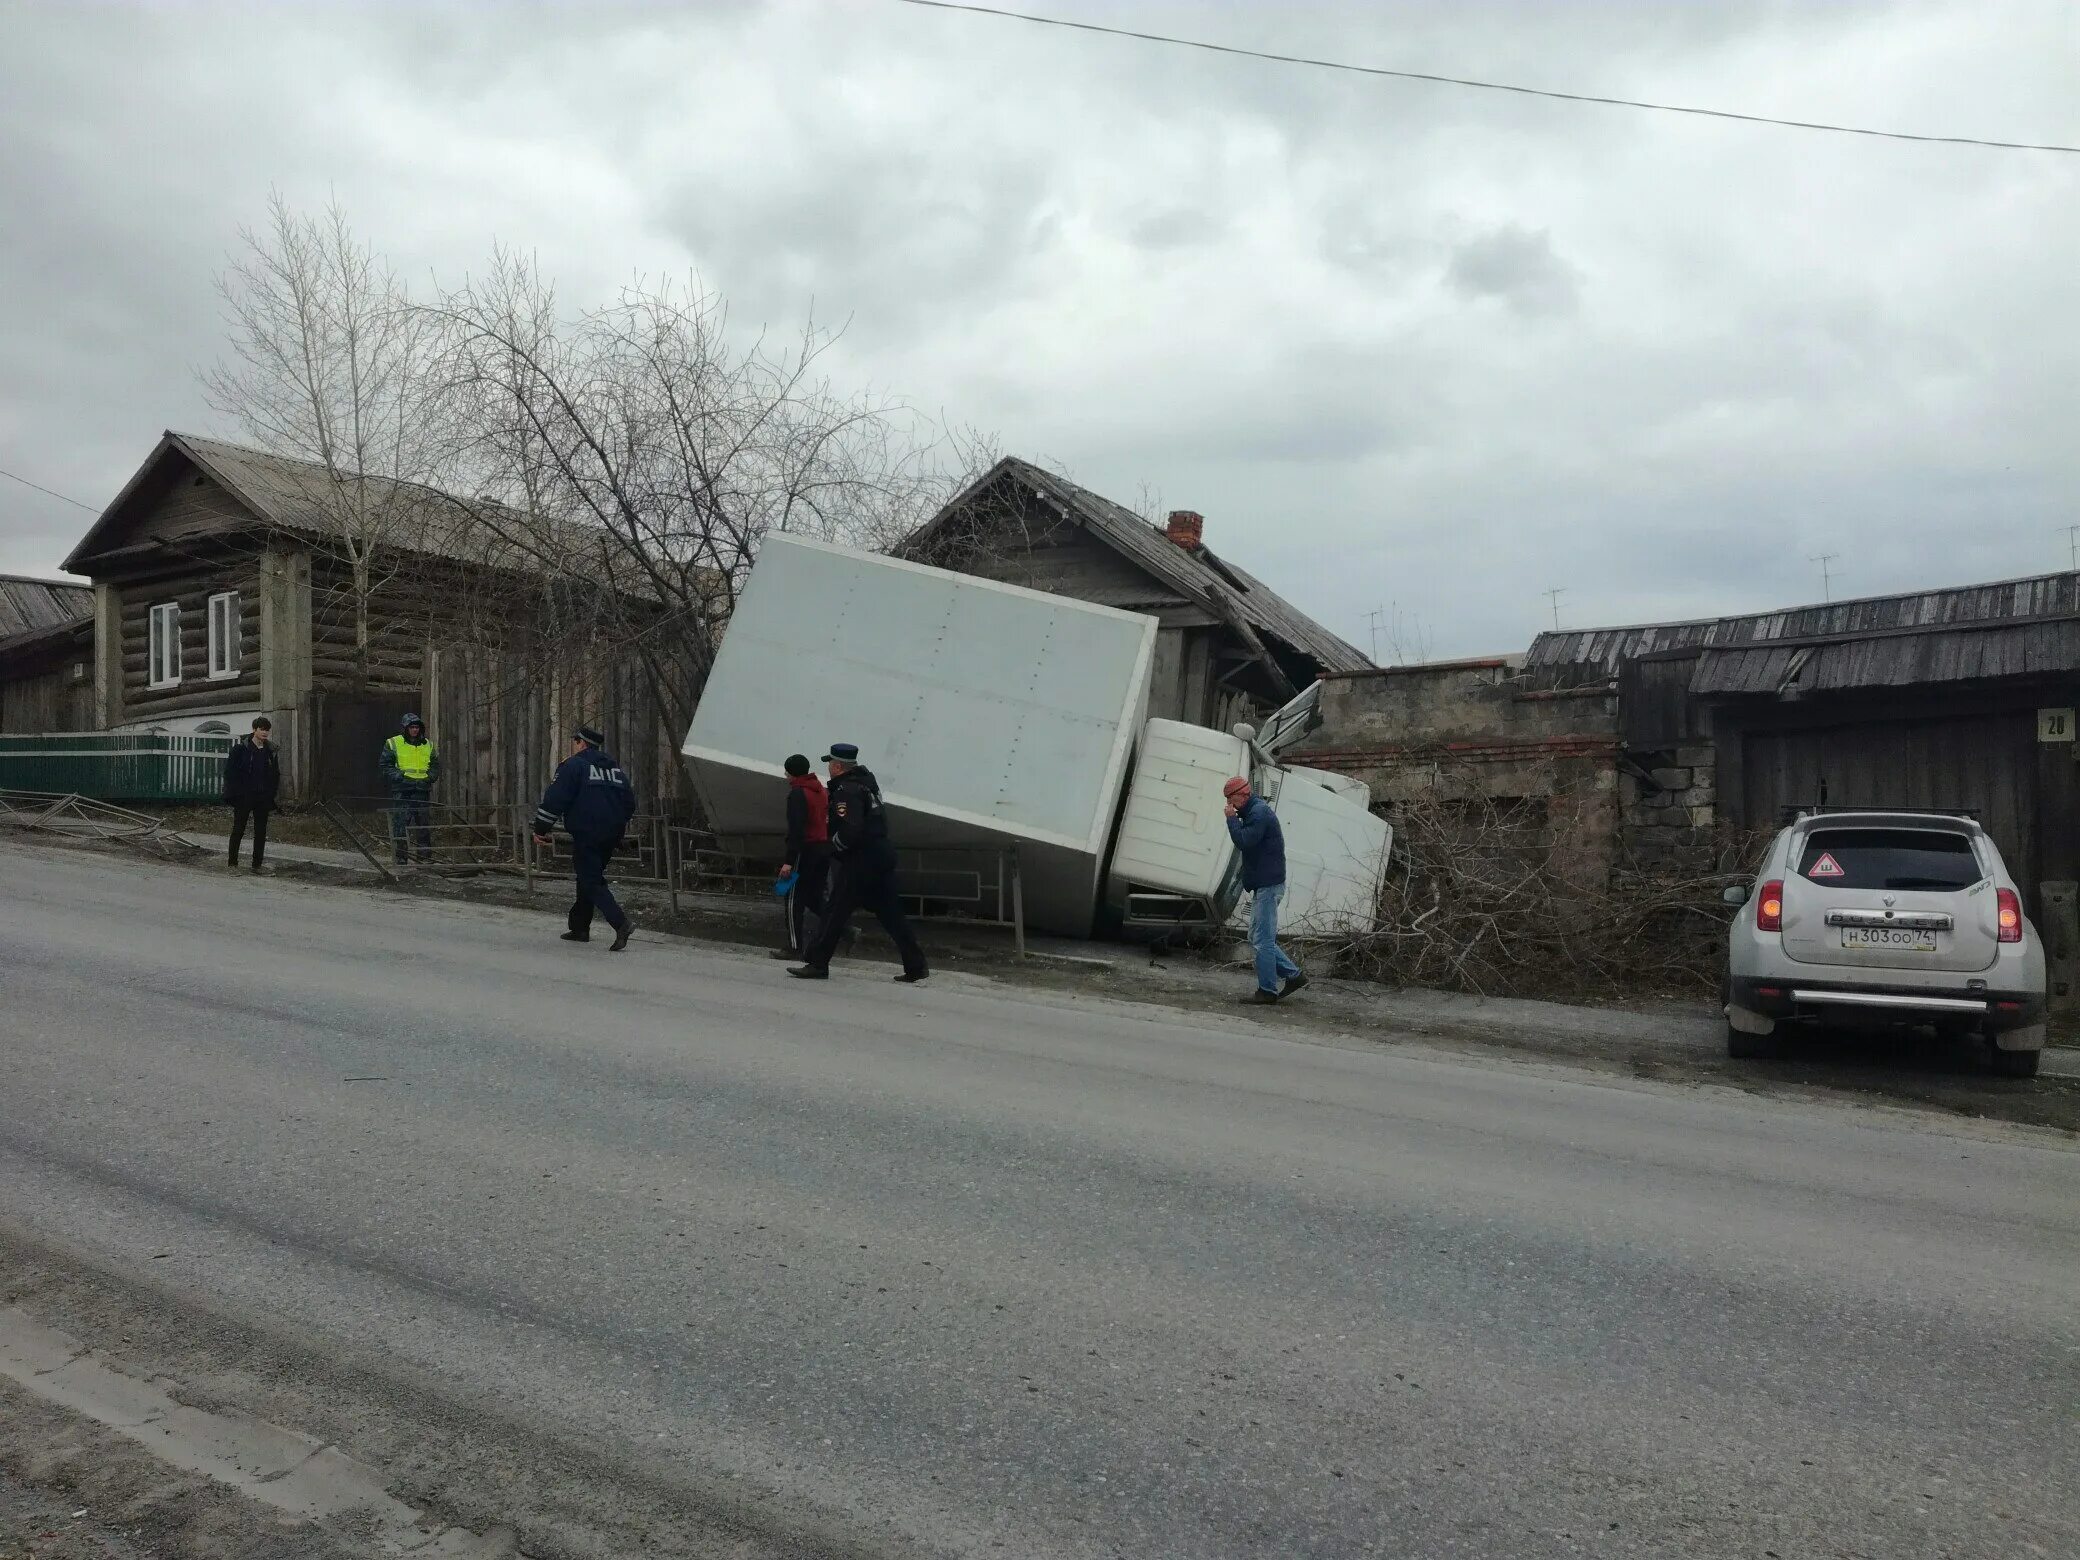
pixel 1272 964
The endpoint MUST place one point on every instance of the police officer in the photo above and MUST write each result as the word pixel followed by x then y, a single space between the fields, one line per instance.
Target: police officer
pixel 411 765
pixel 863 869
pixel 592 799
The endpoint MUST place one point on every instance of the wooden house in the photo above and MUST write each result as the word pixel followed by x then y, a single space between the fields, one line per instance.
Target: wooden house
pixel 1229 649
pixel 229 582
pixel 46 655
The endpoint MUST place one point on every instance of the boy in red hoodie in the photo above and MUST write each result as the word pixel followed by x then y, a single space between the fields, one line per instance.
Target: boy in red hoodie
pixel 808 854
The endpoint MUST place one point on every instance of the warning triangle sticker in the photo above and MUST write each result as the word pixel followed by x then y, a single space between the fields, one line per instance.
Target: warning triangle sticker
pixel 1826 866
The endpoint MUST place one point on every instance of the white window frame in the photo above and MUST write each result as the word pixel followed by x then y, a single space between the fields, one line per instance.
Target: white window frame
pixel 163 646
pixel 224 629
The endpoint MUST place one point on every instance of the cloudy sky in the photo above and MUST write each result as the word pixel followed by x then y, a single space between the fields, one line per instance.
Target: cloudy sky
pixel 1406 346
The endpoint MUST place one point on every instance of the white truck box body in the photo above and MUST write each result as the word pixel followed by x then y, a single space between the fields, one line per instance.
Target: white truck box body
pixel 1336 855
pixel 993 716
pixel 1173 863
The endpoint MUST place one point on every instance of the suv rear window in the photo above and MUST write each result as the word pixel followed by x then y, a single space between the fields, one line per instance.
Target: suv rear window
pixel 1889 858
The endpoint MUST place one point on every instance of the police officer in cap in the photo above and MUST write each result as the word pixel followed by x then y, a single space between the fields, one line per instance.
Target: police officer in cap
pixel 592 799
pixel 863 876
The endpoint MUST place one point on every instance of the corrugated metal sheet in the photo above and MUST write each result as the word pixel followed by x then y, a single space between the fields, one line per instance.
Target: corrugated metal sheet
pixel 1196 574
pixel 1962 634
pixel 2043 595
pixel 1895 660
pixel 29 606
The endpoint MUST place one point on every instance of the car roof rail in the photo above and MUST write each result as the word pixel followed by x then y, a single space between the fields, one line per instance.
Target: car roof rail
pixel 1791 812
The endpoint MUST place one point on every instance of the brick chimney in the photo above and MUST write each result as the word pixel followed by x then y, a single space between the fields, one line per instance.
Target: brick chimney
pixel 1186 527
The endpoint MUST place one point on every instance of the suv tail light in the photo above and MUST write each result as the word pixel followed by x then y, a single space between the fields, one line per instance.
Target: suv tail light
pixel 1769 907
pixel 2008 913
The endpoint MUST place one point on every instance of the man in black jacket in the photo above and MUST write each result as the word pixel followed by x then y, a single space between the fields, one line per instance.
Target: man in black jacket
pixel 863 860
pixel 592 799
pixel 252 781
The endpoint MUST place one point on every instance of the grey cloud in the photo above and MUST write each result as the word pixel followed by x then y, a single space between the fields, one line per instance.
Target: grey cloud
pixel 1303 303
pixel 1518 267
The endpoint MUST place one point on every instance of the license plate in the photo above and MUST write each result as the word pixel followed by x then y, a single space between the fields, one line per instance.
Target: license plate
pixel 1893 939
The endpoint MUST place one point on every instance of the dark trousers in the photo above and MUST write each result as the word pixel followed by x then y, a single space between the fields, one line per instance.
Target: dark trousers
pixel 864 885
pixel 256 813
pixel 589 860
pixel 805 906
pixel 411 822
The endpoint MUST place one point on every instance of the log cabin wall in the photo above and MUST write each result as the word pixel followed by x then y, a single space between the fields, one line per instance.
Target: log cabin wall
pixel 188 581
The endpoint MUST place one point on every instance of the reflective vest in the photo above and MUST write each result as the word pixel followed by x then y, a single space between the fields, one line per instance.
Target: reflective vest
pixel 414 759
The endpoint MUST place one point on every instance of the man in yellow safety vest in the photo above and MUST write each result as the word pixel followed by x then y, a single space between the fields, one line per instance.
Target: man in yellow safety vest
pixel 411 766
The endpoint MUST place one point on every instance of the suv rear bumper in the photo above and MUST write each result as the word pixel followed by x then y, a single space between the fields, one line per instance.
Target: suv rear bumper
pixel 1994 1011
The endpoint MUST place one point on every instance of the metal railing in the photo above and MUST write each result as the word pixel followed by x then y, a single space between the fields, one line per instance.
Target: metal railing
pixel 84 817
pixel 115 766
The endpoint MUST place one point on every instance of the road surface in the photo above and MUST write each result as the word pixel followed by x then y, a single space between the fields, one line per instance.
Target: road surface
pixel 860 1268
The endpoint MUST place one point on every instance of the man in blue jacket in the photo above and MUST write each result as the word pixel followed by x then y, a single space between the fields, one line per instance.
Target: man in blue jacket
pixel 1254 828
pixel 592 799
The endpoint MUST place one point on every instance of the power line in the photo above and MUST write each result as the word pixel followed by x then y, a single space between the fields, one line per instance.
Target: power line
pixel 1487 86
pixel 25 482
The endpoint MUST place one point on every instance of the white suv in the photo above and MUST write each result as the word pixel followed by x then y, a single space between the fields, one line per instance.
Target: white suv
pixel 1888 919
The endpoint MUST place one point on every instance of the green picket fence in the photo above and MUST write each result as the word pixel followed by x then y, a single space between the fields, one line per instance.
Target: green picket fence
pixel 116 766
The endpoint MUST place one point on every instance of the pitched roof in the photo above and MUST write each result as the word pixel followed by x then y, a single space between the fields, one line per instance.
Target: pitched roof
pixel 1961 633
pixel 29 605
pixel 1196 573
pixel 301 496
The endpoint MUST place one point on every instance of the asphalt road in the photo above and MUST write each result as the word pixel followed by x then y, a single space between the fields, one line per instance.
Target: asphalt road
pixel 963 1269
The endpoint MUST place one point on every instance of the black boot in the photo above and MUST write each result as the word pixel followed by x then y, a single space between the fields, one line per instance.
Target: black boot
pixel 575 936
pixel 621 937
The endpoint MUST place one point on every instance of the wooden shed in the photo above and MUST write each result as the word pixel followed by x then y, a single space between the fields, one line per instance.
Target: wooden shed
pixel 46 654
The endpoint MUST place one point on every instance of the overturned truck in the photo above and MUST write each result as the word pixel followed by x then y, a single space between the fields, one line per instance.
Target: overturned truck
pixel 1006 724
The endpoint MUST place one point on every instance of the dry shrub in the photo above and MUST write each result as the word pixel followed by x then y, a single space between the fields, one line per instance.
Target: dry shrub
pixel 1541 897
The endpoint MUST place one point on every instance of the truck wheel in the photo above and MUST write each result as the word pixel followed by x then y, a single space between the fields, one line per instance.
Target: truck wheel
pixel 2014 1064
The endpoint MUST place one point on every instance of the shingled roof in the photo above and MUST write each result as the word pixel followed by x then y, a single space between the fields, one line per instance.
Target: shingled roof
pixel 1196 573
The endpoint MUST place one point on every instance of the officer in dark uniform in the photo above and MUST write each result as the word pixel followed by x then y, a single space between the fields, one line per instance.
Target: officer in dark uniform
pixel 863 869
pixel 592 799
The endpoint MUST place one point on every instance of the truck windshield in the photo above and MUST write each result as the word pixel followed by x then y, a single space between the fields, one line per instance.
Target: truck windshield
pixel 1928 859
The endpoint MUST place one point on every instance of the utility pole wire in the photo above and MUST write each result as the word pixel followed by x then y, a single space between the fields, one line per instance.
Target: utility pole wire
pixel 1489 86
pixel 52 492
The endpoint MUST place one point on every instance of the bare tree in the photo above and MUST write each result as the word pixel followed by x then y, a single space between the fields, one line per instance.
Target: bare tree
pixel 328 365
pixel 640 453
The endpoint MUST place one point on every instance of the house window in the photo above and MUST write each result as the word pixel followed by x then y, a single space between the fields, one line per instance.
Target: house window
pixel 164 658
pixel 223 635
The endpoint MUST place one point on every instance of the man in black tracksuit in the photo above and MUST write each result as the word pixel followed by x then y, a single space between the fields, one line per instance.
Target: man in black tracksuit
pixel 592 799
pixel 863 861
pixel 252 781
